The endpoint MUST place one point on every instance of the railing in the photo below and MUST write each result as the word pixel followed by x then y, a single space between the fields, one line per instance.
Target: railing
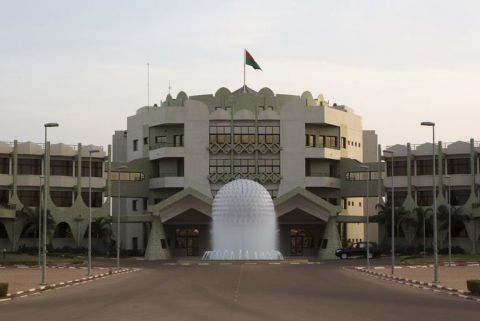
pixel 322 174
pixel 169 174
pixel 444 145
pixel 161 145
pixel 8 206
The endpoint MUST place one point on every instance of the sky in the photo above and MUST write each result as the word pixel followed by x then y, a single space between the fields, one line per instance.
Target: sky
pixel 83 63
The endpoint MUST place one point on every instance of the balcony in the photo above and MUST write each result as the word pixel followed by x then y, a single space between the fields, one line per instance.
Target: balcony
pixel 317 179
pixel 63 181
pixel 6 180
pixel 322 152
pixel 167 180
pixel 163 150
pixel 7 211
pixel 97 182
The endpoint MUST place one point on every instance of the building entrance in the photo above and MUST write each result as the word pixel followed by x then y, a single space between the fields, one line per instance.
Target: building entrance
pixel 299 239
pixel 187 239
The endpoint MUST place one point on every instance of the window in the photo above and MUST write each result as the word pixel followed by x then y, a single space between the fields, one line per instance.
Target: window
pixel 269 166
pixel 220 134
pixel 145 203
pixel 244 135
pixel 269 135
pixel 29 198
pixel 127 176
pixel 97 198
pixel 61 167
pixel 344 142
pixel 331 142
pixel 178 140
pixel 134 205
pixel 97 167
pixel 160 139
pixel 424 167
pixel 458 166
pixel 135 144
pixel 424 198
pixel 4 165
pixel 399 168
pixel 219 166
pixel 62 198
pixel 29 166
pixel 145 140
pixel 244 166
pixel 459 196
pixel 310 140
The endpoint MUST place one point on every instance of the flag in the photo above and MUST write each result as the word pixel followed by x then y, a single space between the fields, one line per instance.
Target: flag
pixel 250 61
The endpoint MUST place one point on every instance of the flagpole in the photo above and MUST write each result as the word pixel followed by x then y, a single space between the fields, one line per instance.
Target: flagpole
pixel 244 62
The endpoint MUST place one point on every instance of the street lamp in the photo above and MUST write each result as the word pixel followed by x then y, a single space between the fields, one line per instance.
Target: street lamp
pixel 367 239
pixel 90 152
pixel 120 168
pixel 449 220
pixel 40 222
pixel 393 213
pixel 435 234
pixel 46 168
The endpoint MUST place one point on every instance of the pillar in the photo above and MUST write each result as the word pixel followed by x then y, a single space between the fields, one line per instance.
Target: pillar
pixel 333 240
pixel 155 249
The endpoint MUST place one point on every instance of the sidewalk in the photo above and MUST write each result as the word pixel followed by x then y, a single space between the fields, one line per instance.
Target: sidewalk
pixel 20 279
pixel 449 276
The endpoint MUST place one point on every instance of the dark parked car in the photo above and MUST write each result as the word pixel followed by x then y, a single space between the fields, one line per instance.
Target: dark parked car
pixel 358 249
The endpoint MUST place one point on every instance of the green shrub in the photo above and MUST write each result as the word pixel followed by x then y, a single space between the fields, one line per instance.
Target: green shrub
pixel 3 289
pixel 474 286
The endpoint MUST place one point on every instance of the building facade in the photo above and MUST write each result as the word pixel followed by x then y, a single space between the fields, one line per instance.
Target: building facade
pixel 23 184
pixel 457 181
pixel 306 152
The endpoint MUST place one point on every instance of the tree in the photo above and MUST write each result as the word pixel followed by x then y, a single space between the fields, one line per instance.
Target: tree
pixel 102 229
pixel 30 218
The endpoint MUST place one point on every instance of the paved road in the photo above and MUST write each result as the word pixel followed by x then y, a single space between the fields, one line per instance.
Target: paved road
pixel 240 292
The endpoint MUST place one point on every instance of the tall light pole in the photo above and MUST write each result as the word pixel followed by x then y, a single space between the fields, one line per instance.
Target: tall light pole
pixel 389 152
pixel 90 152
pixel 120 168
pixel 367 239
pixel 434 190
pixel 40 222
pixel 46 168
pixel 449 220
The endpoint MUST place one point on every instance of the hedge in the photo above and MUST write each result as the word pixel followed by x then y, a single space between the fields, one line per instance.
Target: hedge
pixel 474 286
pixel 3 289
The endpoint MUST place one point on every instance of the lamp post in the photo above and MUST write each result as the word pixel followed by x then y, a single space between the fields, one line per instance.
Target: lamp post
pixel 367 239
pixel 434 190
pixel 449 220
pixel 90 152
pixel 40 221
pixel 393 213
pixel 120 168
pixel 46 168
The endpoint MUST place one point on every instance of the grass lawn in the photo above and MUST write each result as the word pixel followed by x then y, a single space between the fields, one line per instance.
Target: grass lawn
pixel 28 259
pixel 419 259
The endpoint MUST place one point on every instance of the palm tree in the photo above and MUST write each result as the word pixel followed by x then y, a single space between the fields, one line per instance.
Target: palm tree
pixel 30 218
pixel 102 229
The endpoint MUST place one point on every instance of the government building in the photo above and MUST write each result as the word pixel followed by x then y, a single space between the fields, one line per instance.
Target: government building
pixel 324 172
pixel 309 154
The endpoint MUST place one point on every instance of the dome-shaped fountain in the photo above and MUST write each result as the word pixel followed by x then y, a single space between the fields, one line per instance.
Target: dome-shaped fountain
pixel 244 223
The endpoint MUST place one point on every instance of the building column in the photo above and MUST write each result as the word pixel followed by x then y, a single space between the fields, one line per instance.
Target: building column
pixel 155 250
pixel 333 240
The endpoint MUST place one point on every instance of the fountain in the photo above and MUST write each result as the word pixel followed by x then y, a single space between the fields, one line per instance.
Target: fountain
pixel 244 223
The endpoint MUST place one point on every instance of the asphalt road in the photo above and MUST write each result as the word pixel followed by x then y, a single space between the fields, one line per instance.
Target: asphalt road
pixel 240 292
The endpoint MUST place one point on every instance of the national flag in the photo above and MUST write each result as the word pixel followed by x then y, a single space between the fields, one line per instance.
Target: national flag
pixel 250 61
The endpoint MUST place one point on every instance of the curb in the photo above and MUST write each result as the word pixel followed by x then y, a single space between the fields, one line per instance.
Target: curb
pixel 437 288
pixel 65 284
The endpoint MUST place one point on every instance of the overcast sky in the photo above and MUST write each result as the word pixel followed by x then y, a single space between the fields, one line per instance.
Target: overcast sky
pixel 83 63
